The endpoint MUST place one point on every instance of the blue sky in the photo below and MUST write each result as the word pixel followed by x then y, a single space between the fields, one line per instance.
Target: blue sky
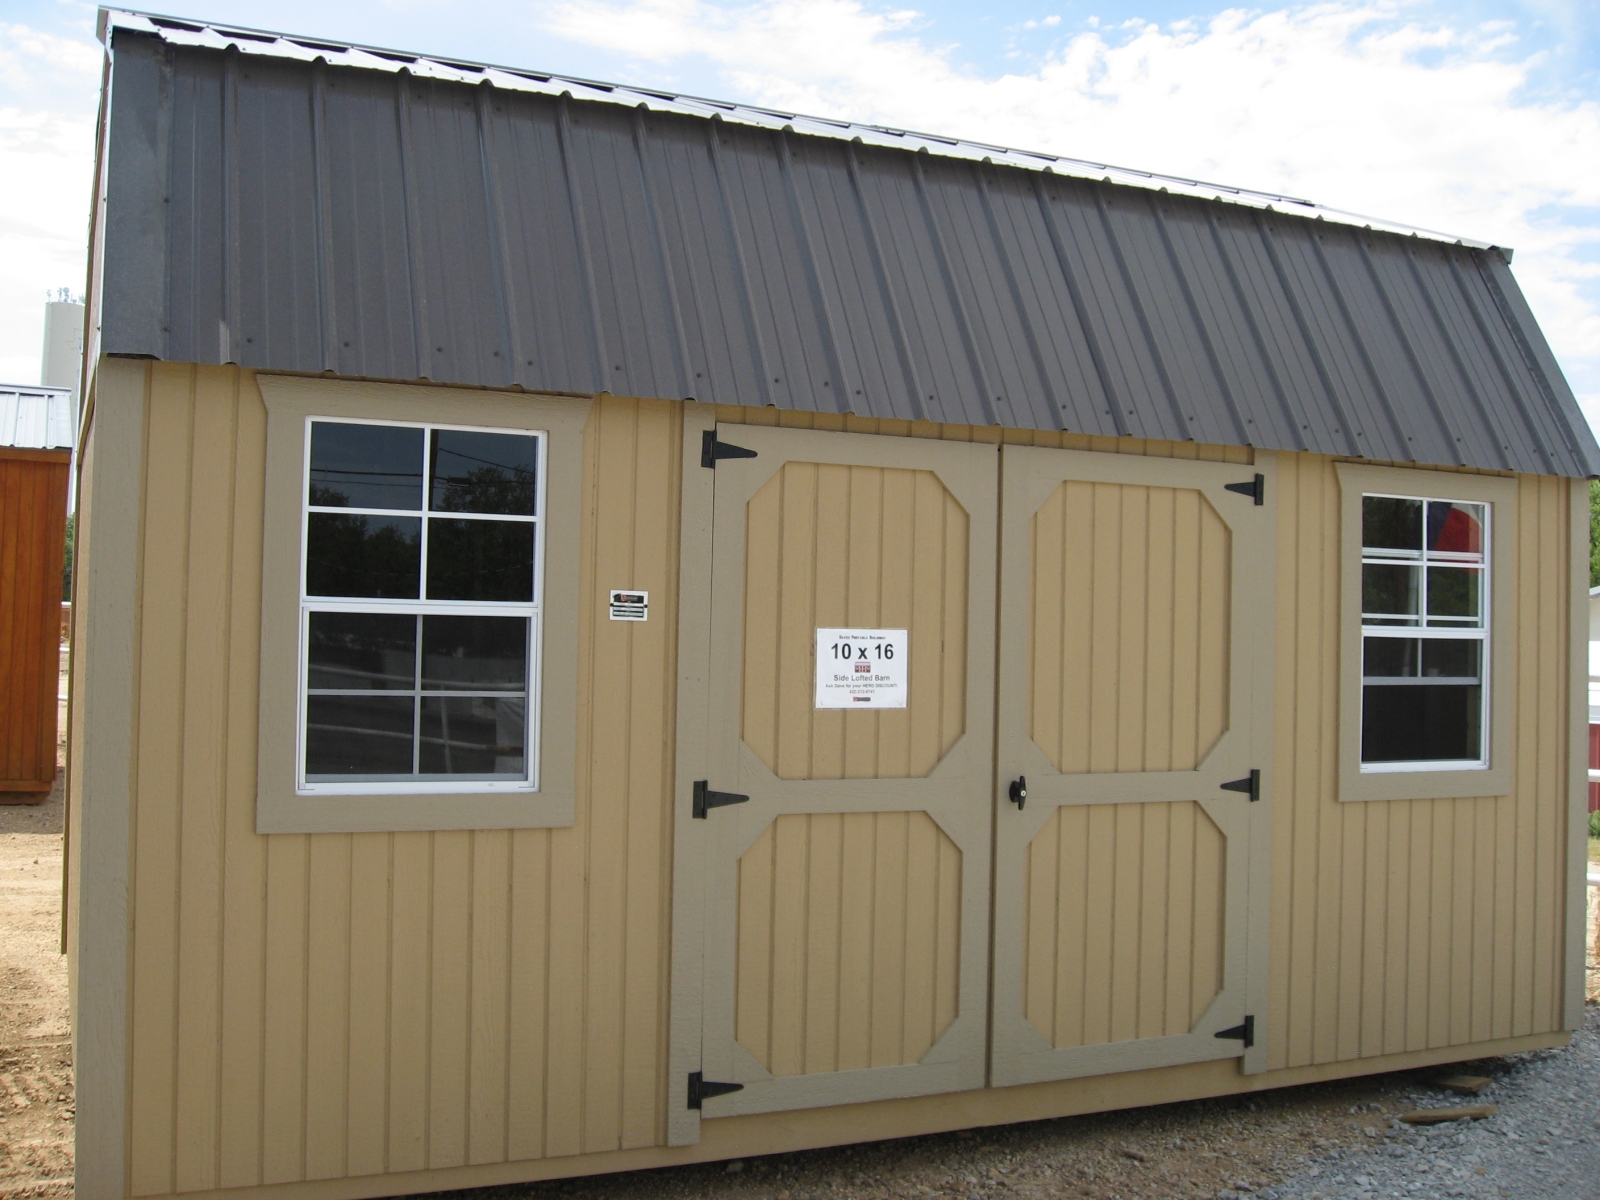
pixel 1480 117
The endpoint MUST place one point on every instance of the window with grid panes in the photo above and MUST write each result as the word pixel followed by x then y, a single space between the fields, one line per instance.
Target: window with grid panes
pixel 1424 633
pixel 419 610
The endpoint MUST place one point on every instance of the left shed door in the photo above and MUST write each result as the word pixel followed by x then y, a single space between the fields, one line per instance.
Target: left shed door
pixel 845 903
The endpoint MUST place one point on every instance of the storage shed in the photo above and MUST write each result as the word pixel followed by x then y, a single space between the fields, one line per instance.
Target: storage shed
pixel 36 435
pixel 619 630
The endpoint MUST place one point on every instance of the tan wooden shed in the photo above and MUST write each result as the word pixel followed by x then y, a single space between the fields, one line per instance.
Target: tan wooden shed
pixel 499 490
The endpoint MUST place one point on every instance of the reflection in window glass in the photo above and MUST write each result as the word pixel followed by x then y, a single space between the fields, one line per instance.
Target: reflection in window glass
pixel 420 630
pixel 362 651
pixel 365 466
pixel 363 555
pixel 484 472
pixel 1423 693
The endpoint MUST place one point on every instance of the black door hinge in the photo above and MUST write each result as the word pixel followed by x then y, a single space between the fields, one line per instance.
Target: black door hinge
pixel 1257 488
pixel 1250 785
pixel 705 799
pixel 1245 1033
pixel 712 450
pixel 703 1089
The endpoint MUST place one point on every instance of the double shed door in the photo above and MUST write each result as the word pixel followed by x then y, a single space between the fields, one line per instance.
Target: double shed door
pixel 832 932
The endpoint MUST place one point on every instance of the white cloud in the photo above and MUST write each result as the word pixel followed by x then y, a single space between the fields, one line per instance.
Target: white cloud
pixel 46 161
pixel 1354 105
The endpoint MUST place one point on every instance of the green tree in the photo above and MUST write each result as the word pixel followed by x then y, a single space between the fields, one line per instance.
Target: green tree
pixel 72 520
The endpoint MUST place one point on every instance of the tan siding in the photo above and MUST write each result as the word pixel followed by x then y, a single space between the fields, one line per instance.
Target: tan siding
pixel 1410 925
pixel 848 941
pixel 1130 619
pixel 318 1006
pixel 877 547
pixel 1150 961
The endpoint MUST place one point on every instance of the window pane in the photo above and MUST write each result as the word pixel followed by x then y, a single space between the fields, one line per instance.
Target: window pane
pixel 1390 588
pixel 480 560
pixel 366 466
pixel 1384 656
pixel 358 735
pixel 484 472
pixel 1421 723
pixel 1455 528
pixel 362 650
pixel 475 654
pixel 349 555
pixel 474 736
pixel 1389 523
pixel 1457 658
pixel 1454 592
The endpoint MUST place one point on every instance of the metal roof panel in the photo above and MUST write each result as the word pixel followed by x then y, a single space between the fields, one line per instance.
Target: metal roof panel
pixel 310 211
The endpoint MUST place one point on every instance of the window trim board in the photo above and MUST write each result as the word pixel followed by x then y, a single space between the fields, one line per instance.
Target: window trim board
pixel 1424 782
pixel 280 806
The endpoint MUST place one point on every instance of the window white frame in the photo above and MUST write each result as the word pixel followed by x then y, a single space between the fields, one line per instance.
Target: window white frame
pixel 422 606
pixel 1458 630
pixel 285 802
pixel 1427 780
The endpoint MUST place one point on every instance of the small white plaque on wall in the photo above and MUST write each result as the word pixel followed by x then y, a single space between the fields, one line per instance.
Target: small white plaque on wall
pixel 861 668
pixel 627 605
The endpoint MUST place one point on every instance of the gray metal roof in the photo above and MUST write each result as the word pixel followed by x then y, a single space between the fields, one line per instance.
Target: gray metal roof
pixel 334 215
pixel 36 418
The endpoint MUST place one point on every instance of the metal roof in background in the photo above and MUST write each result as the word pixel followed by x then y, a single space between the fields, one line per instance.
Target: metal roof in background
pixel 308 210
pixel 36 418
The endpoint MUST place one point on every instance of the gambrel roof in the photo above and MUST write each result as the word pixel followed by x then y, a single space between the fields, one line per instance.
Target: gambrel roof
pixel 297 205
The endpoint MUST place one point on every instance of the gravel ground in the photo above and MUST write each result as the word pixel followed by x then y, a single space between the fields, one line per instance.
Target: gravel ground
pixel 1543 1142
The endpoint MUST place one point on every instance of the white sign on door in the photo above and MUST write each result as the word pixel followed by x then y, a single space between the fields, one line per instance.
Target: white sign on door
pixel 861 668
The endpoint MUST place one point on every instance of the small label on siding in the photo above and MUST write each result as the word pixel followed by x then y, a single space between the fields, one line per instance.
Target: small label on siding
pixel 628 605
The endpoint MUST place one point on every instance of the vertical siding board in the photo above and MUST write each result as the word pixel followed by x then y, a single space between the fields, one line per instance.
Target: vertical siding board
pixel 825 966
pixel 609 774
pixel 205 726
pixel 1548 725
pixel 1305 791
pixel 1370 957
pixel 410 951
pixel 652 684
pixel 490 973
pixel 243 961
pixel 528 1002
pixel 1291 485
pixel 284 1080
pixel 327 1007
pixel 154 932
pixel 367 1118
pixel 448 972
pixel 1528 685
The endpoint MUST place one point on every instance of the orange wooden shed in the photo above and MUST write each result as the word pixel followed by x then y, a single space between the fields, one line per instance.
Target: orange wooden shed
pixel 35 466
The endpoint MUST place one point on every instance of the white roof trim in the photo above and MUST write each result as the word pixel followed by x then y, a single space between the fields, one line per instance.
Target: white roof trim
pixel 183 32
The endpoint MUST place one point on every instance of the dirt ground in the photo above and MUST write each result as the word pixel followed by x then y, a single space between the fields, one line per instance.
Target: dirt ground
pixel 1227 1147
pixel 36 1104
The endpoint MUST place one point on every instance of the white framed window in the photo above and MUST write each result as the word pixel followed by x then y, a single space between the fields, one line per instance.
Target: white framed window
pixel 1427 633
pixel 1424 633
pixel 419 607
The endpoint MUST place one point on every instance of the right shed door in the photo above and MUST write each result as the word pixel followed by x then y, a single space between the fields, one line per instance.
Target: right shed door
pixel 1136 606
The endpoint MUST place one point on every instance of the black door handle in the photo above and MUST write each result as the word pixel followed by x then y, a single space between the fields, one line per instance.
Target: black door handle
pixel 1019 791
